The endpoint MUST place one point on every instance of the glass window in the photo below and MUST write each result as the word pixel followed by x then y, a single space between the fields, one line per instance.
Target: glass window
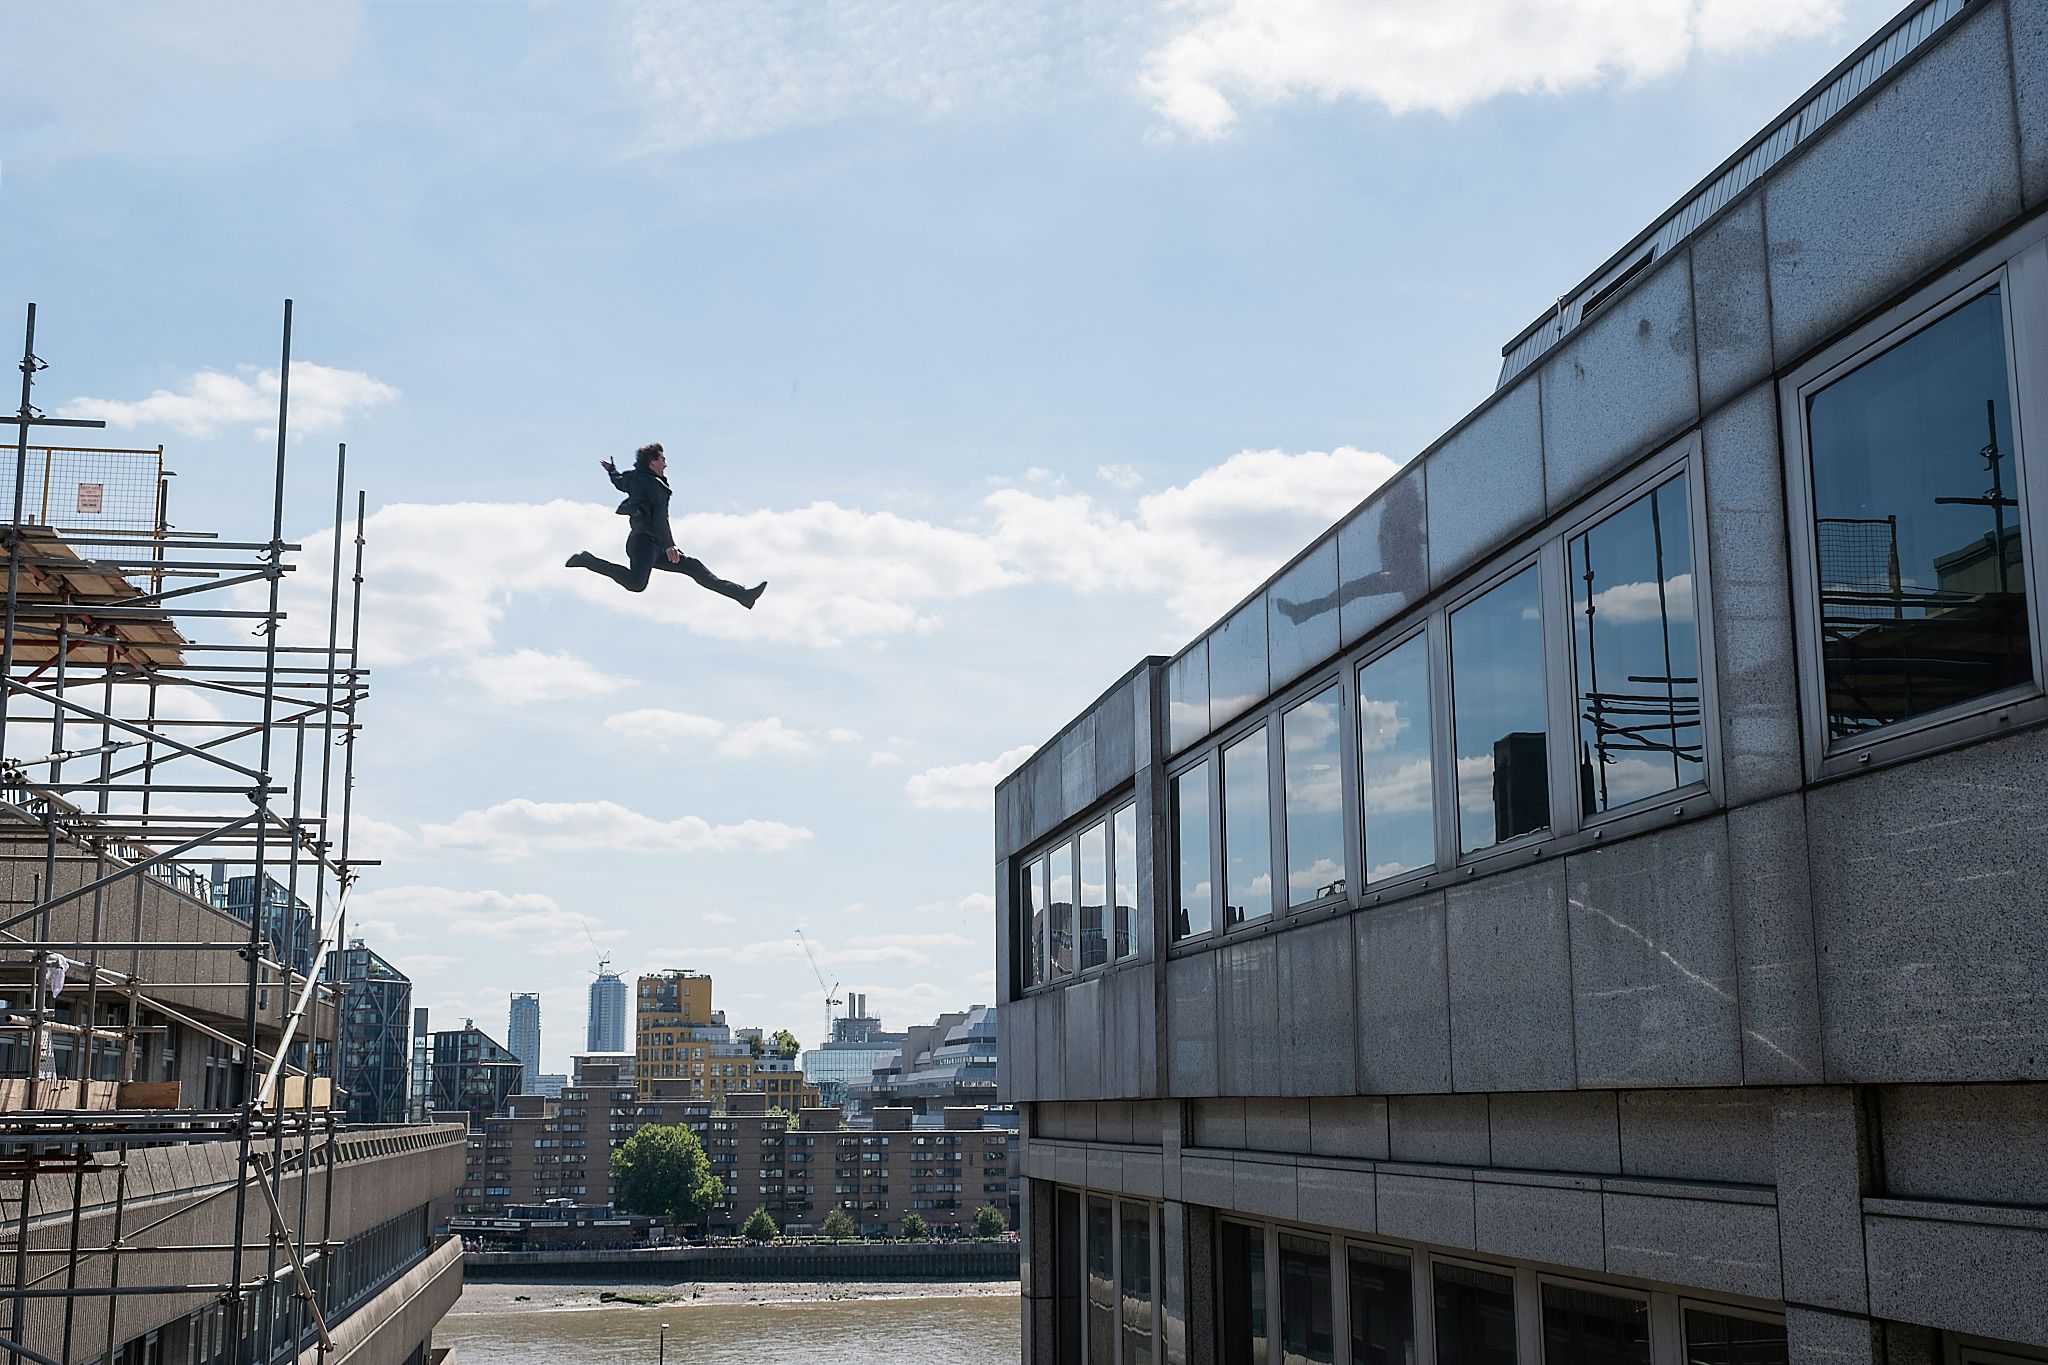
pixel 1094 895
pixel 1194 886
pixel 1308 1330
pixel 1311 740
pixel 1382 1308
pixel 1923 596
pixel 1475 1316
pixel 1247 831
pixel 1241 1295
pixel 1581 1327
pixel 1060 911
pixel 1031 907
pixel 1101 1285
pixel 1724 1339
pixel 1135 1224
pixel 1125 837
pixel 1497 713
pixel 1397 774
pixel 1636 652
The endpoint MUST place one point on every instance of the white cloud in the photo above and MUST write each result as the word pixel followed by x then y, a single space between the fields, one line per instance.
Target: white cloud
pixel 1629 604
pixel 520 828
pixel 749 739
pixel 528 675
pixel 839 734
pixel 765 736
pixel 1119 476
pixel 526 920
pixel 882 758
pixel 717 917
pixel 978 903
pixel 964 786
pixel 1442 57
pixel 322 399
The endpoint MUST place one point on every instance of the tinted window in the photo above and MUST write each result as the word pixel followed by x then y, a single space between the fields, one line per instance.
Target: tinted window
pixel 1031 895
pixel 1581 1327
pixel 1497 714
pixel 1475 1317
pixel 1241 1295
pixel 1194 888
pixel 1247 831
pixel 1060 910
pixel 1311 737
pixel 1125 828
pixel 1397 774
pixel 1382 1308
pixel 1101 1285
pixel 1094 895
pixel 1637 656
pixel 1917 524
pixel 1723 1339
pixel 1135 1222
pixel 1308 1330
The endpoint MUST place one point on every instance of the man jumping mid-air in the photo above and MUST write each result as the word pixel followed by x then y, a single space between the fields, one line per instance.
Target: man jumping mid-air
pixel 649 543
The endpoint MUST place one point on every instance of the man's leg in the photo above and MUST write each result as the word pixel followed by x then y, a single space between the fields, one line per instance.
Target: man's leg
pixel 703 576
pixel 632 576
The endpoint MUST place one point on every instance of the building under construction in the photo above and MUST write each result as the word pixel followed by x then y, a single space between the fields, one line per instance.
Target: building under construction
pixel 176 1182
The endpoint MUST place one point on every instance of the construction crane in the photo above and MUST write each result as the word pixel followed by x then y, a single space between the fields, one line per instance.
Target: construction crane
pixel 831 991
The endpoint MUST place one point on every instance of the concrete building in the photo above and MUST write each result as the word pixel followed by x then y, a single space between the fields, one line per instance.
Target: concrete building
pixel 1587 905
pixel 948 1062
pixel 472 1073
pixel 684 1050
pixel 604 1028
pixel 522 1036
pixel 375 1065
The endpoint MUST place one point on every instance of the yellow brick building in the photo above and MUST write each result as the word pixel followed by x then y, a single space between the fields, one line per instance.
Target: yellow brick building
pixel 684 1050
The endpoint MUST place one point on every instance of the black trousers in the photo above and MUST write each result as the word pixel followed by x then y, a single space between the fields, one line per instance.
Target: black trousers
pixel 643 557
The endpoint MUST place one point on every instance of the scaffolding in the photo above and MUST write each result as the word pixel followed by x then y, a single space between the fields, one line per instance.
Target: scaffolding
pixel 153 721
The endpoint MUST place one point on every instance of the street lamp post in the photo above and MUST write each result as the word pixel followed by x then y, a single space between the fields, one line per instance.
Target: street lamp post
pixel 661 1346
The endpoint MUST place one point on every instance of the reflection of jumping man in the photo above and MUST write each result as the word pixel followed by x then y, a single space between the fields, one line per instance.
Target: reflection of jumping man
pixel 649 543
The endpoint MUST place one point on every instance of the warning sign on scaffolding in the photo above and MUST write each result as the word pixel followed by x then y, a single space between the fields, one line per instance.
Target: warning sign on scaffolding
pixel 90 496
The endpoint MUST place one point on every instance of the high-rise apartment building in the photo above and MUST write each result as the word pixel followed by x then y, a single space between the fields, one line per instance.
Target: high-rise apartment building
pixel 473 1073
pixel 1588 904
pixel 684 1049
pixel 522 1035
pixel 605 1028
pixel 374 1048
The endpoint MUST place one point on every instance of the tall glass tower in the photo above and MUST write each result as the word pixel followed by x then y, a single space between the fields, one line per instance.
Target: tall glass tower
pixel 606 1030
pixel 523 1034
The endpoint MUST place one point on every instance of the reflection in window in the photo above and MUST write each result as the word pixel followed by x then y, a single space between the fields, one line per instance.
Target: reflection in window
pixel 1497 714
pixel 1031 894
pixel 1194 888
pixel 1125 833
pixel 1094 894
pixel 1247 831
pixel 1382 1308
pixel 1101 1285
pixel 1241 1295
pixel 1636 644
pixel 1135 1224
pixel 1581 1327
pixel 1475 1316
pixel 1396 772
pixel 1311 741
pixel 1308 1329
pixel 1060 911
pixel 1917 525
pixel 1724 1339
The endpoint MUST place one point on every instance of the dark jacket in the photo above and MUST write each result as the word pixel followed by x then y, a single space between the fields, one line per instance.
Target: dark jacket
pixel 646 504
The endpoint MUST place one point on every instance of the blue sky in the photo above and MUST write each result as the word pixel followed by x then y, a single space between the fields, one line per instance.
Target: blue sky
pixel 1008 342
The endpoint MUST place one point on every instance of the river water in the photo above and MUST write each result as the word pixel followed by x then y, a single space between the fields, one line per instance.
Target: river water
pixel 506 1324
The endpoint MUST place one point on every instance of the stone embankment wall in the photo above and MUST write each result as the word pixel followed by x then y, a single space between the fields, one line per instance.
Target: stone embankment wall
pixel 668 1265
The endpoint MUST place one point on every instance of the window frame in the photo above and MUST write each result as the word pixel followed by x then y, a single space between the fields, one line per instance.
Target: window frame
pixel 1613 1291
pixel 1724 1309
pixel 1211 754
pixel 1349 794
pixel 1505 570
pixel 1101 815
pixel 1265 719
pixel 2017 266
pixel 1434 632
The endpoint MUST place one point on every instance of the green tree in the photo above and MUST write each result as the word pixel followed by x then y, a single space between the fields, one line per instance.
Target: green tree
pixel 839 1227
pixel 759 1227
pixel 662 1169
pixel 914 1227
pixel 786 1043
pixel 989 1221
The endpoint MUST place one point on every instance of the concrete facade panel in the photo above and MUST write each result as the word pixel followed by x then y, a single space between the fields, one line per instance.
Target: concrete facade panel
pixel 1444 1129
pixel 1187 697
pixel 1819 1154
pixel 1278 1125
pixel 1404 1013
pixel 1510 974
pixel 1565 1131
pixel 1265 1190
pixel 1697 1135
pixel 1319 1010
pixel 1082 1038
pixel 1777 978
pixel 1978 1143
pixel 1539 1223
pixel 1927 917
pixel 1301 619
pixel 1653 961
pixel 1344 1199
pixel 1248 1026
pixel 1731 304
pixel 1049 1045
pixel 1078 788
pixel 1757 694
pixel 1239 677
pixel 1621 380
pixel 1929 165
pixel 1728 1247
pixel 1424 1209
pixel 1383 557
pixel 1191 1024
pixel 1485 483
pixel 1116 736
pixel 1354 1126
pixel 1216 1123
pixel 2003 1293
pixel 2030 78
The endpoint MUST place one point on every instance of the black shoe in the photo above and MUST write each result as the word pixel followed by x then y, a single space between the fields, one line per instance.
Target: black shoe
pixel 579 560
pixel 753 594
